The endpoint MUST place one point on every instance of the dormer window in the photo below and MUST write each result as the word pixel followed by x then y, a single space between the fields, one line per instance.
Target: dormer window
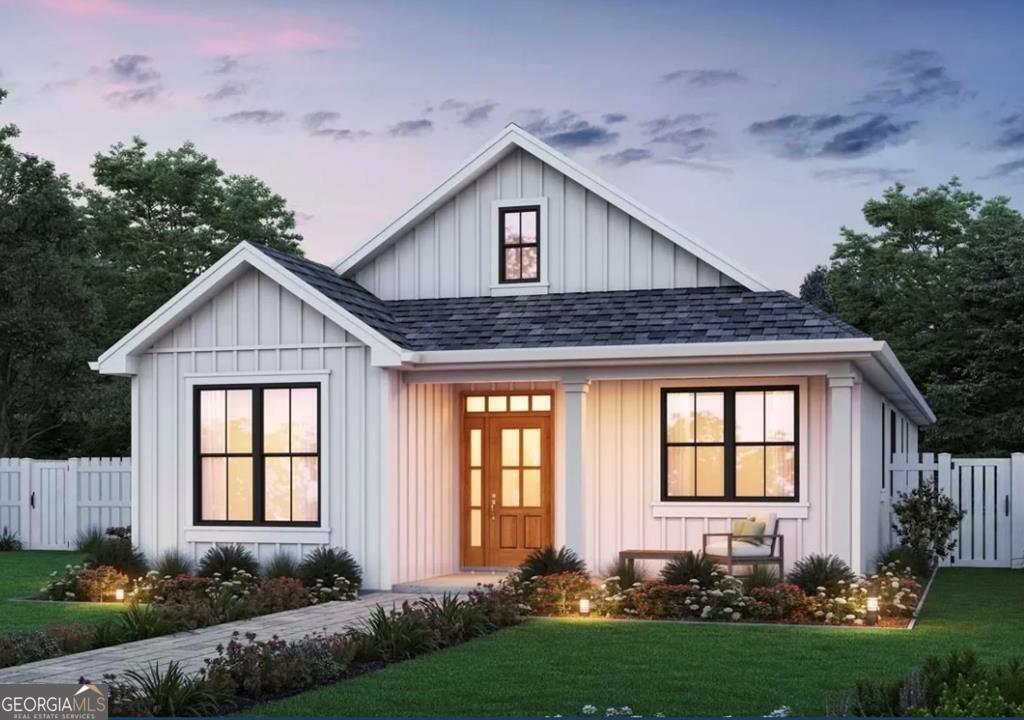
pixel 519 233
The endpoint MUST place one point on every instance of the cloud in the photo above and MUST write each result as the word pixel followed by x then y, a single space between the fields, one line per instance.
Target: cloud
pixel 133 96
pixel 137 69
pixel 1013 168
pixel 699 165
pixel 868 137
pixel 56 85
pixel 704 78
pixel 411 128
pixel 252 117
pixel 796 136
pixel 916 77
pixel 569 131
pixel 225 64
pixel 667 123
pixel 688 133
pixel 627 156
pixel 227 90
pixel 1012 136
pixel 614 118
pixel 864 175
pixel 322 124
pixel 469 114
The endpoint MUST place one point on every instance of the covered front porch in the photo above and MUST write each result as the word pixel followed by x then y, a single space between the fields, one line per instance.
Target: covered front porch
pixel 603 483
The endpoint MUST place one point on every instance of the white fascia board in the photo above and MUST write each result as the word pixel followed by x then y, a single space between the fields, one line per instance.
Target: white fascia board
pixel 119 358
pixel 511 136
pixel 918 408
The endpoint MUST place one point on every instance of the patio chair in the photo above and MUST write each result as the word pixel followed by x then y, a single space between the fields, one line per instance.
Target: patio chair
pixel 730 549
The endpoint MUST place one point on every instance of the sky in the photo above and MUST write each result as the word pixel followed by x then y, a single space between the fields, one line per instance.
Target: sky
pixel 758 129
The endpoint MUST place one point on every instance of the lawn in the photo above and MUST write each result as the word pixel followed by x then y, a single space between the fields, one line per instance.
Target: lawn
pixel 547 667
pixel 23 574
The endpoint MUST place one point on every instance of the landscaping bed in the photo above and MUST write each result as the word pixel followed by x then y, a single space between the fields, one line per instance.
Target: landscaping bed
pixel 228 585
pixel 558 666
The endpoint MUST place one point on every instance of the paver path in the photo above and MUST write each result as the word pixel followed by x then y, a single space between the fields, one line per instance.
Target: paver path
pixel 189 648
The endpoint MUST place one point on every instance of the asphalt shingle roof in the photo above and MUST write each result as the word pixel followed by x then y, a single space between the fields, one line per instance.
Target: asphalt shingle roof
pixel 625 317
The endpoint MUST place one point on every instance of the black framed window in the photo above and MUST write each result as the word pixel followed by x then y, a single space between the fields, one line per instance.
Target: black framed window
pixel 519 251
pixel 257 455
pixel 737 444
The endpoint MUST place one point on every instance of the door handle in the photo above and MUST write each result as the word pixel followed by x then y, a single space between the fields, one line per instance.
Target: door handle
pixel 494 503
pixel 1006 506
pixel 32 500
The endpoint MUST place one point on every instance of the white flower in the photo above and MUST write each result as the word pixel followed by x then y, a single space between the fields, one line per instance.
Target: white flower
pixel 783 711
pixel 736 616
pixel 589 710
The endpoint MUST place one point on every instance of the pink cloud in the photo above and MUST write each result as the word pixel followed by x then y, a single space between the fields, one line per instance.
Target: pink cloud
pixel 266 32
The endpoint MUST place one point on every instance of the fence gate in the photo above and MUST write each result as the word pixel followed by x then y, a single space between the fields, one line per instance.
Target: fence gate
pixel 984 490
pixel 48 506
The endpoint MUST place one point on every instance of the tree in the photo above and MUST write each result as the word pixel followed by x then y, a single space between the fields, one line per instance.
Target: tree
pixel 814 289
pixel 940 279
pixel 48 311
pixel 159 221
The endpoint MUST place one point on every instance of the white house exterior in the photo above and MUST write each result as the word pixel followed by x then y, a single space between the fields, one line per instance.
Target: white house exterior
pixel 525 357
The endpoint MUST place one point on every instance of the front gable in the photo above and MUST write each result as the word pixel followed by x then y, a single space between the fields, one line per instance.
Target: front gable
pixel 593 238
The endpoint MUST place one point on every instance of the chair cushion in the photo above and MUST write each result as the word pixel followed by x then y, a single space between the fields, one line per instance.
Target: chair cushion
pixel 751 527
pixel 739 550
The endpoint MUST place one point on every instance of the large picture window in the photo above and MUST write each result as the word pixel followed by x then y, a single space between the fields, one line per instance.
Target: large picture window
pixel 257 455
pixel 730 444
pixel 519 254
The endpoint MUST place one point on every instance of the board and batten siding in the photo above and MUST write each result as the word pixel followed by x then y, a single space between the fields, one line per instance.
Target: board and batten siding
pixel 255 328
pixel 591 245
pixel 622 475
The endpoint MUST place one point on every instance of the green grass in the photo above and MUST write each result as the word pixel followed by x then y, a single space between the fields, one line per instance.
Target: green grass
pixel 23 573
pixel 546 667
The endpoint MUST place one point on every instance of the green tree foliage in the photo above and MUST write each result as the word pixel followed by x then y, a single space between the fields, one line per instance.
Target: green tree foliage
pixel 814 289
pixel 161 220
pixel 82 266
pixel 941 277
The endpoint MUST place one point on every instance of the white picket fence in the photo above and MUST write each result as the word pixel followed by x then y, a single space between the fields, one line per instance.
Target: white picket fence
pixel 989 490
pixel 48 502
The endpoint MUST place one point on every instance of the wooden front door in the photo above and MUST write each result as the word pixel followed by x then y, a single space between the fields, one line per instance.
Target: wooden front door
pixel 506 483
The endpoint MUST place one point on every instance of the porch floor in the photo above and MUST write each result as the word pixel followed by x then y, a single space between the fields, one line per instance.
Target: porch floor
pixel 460 582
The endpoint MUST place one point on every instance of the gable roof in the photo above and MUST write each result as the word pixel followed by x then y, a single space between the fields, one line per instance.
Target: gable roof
pixel 504 142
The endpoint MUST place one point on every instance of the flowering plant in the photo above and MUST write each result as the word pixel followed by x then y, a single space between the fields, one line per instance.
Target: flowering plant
pixel 558 594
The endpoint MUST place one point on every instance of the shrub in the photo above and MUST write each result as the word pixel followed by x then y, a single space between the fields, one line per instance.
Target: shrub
pixel 820 571
pixel 780 602
pixel 628 573
pixel 73 638
pixel 761 576
pixel 281 565
pixel 558 594
pixel 177 590
pixel 660 601
pixel 139 622
pixel 967 699
pixel 122 532
pixel 391 635
pixel 62 585
pixel 97 584
pixel 341 589
pixel 689 568
pixel 548 561
pixel 326 565
pixel 280 593
pixel 9 541
pixel 223 560
pixel 117 553
pixel 454 620
pixel 170 692
pixel 24 647
pixel 902 556
pixel 500 605
pixel 897 590
pixel 256 669
pixel 173 563
pixel 926 519
pixel 88 540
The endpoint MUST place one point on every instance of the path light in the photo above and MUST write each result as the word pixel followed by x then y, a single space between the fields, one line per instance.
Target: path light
pixel 584 607
pixel 872 606
pixel 119 594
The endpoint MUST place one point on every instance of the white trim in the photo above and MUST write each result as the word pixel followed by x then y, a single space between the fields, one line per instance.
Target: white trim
pixel 511 137
pixel 257 534
pixel 535 288
pixel 121 358
pixel 785 511
pixel 226 533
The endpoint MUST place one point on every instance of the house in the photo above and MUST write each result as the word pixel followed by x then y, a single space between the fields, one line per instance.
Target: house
pixel 525 357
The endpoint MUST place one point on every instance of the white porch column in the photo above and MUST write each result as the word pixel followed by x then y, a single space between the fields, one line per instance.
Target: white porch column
pixel 842 498
pixel 569 507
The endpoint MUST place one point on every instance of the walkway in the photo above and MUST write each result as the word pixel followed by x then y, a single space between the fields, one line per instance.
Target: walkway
pixel 190 648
